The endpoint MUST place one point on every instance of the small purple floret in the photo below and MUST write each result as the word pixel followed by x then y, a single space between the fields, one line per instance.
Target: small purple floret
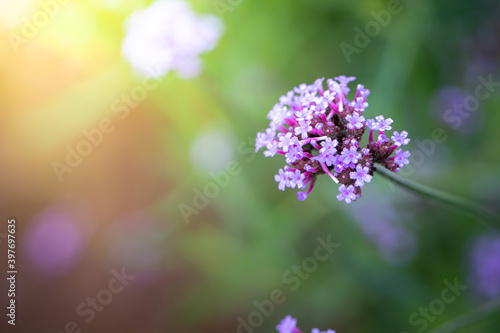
pixel 287 325
pixel 401 157
pixel 383 124
pixel 361 176
pixel 400 139
pixel 346 193
pixel 355 121
pixel 360 103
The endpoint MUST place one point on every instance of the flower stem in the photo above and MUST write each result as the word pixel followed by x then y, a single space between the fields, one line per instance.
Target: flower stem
pixel 461 204
pixel 469 318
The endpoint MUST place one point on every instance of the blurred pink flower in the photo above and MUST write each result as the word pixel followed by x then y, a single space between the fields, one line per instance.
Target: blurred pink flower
pixel 485 265
pixel 54 241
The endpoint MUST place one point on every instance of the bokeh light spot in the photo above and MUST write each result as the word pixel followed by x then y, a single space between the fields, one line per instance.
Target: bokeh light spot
pixel 54 242
pixel 212 150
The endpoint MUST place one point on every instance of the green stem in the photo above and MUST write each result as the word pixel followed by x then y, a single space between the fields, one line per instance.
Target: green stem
pixel 469 318
pixel 461 204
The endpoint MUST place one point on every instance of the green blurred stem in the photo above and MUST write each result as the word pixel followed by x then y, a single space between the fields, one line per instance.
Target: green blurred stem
pixel 469 318
pixel 461 204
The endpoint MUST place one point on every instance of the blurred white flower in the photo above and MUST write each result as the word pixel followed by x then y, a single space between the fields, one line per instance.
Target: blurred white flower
pixel 167 36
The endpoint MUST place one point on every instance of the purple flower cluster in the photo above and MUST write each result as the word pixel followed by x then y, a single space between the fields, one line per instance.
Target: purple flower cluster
pixel 319 131
pixel 288 325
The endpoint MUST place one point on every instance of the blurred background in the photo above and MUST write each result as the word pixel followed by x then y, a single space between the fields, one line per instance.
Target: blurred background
pixel 107 174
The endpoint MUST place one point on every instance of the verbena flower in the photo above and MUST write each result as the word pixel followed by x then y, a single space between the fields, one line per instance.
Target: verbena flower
pixel 346 193
pixel 167 36
pixel 319 132
pixel 288 325
pixel 400 139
